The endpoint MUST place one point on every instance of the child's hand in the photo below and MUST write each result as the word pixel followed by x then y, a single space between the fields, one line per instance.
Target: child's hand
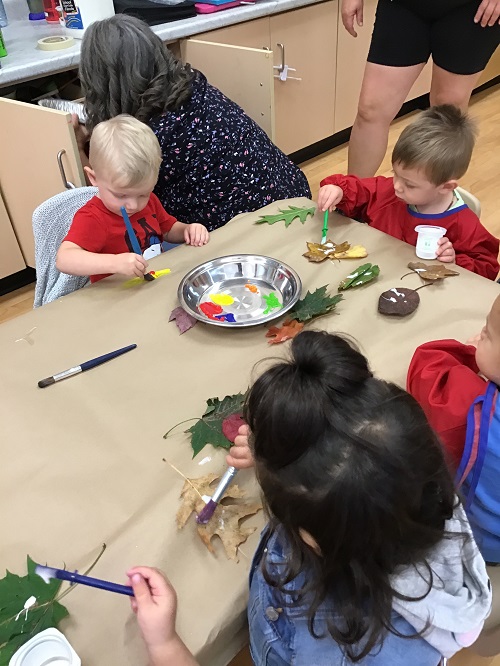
pixel 240 454
pixel 196 234
pixel 129 263
pixel 329 196
pixel 155 604
pixel 445 251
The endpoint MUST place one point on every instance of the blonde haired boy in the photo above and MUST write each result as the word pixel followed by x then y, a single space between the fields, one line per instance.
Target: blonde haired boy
pixel 429 157
pixel 125 159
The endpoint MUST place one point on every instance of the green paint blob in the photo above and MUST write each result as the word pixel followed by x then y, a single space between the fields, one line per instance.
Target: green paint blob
pixel 271 302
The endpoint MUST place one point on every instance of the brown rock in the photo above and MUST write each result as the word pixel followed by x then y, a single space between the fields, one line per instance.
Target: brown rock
pixel 398 302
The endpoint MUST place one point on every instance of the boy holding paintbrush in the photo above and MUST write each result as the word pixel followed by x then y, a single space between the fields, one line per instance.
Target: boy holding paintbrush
pixel 125 159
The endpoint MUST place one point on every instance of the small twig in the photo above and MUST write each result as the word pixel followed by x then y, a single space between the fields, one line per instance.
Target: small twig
pixel 194 418
pixel 183 476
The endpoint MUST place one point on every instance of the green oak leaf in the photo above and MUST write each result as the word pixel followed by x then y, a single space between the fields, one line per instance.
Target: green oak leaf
pixel 315 304
pixel 45 613
pixel 288 215
pixel 362 275
pixel 208 429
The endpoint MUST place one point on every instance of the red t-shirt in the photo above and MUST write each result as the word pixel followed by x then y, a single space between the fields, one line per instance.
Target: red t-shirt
pixel 97 229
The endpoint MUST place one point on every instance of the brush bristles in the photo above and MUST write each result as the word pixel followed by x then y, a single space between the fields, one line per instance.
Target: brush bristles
pixel 206 513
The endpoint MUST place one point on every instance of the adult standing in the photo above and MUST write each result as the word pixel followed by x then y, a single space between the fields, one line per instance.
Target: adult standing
pixel 216 161
pixel 460 35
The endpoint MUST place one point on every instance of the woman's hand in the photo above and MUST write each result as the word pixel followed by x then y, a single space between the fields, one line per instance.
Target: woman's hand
pixel 488 13
pixel 353 9
pixel 240 454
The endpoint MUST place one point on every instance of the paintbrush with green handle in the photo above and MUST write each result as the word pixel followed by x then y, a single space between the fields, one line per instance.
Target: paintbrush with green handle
pixel 325 227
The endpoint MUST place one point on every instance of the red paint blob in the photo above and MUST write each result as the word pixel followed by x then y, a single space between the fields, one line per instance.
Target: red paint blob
pixel 210 309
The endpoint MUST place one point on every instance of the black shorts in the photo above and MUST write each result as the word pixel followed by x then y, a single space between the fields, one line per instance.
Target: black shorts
pixel 407 32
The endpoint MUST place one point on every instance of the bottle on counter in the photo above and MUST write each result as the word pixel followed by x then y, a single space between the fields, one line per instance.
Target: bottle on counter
pixel 3 16
pixel 37 12
pixel 3 50
pixel 51 13
pixel 79 14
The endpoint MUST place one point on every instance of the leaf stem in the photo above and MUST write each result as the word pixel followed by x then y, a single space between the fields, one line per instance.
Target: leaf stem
pixel 194 418
pixel 85 573
pixel 429 284
pixel 184 477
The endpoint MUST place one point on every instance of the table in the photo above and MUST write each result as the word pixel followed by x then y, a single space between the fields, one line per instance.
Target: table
pixel 82 460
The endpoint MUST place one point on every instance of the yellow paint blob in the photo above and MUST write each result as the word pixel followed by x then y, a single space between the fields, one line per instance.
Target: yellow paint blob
pixel 222 299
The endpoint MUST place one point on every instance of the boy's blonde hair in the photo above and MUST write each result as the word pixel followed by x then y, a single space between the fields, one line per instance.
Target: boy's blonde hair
pixel 125 150
pixel 440 142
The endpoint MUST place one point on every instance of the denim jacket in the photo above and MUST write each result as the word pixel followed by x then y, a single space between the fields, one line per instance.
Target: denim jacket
pixel 279 632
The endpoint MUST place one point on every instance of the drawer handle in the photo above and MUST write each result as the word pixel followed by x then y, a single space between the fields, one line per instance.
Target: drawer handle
pixel 66 183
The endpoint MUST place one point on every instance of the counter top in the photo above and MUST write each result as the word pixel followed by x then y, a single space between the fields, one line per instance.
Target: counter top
pixel 25 61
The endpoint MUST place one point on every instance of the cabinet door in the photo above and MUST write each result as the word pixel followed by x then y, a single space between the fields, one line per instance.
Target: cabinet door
pixel 11 259
pixel 252 34
pixel 351 60
pixel 245 75
pixel 305 39
pixel 31 138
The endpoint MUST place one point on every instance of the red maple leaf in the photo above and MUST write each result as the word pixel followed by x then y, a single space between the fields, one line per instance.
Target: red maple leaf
pixel 287 331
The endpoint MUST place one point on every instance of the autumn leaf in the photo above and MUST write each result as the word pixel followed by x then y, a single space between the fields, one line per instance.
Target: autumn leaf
pixel 183 320
pixel 288 216
pixel 231 425
pixel 194 490
pixel 16 625
pixel 315 304
pixel 398 302
pixel 289 329
pixel 361 275
pixel 431 272
pixel 225 523
pixel 318 252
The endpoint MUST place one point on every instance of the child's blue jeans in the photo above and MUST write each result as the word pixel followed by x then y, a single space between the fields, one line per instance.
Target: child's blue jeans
pixel 279 634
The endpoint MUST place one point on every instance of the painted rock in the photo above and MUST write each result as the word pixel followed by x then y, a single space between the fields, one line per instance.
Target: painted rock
pixel 398 302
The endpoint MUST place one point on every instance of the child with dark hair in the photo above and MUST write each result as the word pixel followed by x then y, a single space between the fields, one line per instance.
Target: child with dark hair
pixel 368 556
pixel 429 157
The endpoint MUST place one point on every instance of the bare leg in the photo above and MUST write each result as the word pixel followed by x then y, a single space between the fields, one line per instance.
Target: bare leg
pixel 383 92
pixel 448 88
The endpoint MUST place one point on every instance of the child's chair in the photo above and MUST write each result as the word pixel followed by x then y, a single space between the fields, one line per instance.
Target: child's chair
pixel 470 200
pixel 51 222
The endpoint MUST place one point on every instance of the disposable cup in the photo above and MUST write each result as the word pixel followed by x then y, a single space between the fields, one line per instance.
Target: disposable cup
pixel 48 648
pixel 427 240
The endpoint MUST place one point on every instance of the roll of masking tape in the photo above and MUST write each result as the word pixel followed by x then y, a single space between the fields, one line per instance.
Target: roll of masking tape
pixel 55 43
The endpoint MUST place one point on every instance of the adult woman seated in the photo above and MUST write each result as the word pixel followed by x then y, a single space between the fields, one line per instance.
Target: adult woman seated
pixel 217 162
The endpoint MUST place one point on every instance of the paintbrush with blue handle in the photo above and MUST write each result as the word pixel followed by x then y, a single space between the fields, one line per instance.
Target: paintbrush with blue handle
pixel 75 578
pixel 133 240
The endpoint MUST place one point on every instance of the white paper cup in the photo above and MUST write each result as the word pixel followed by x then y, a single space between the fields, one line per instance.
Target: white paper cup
pixel 48 648
pixel 427 241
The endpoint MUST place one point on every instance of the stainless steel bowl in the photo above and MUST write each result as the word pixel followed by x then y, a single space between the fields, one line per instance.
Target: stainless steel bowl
pixel 239 290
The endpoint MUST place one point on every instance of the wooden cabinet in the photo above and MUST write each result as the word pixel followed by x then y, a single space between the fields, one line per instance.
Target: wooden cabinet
pixel 351 60
pixel 31 138
pixel 244 61
pixel 11 259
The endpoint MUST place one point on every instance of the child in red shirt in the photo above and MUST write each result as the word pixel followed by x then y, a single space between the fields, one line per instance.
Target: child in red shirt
pixel 125 158
pixel 428 158
pixel 457 386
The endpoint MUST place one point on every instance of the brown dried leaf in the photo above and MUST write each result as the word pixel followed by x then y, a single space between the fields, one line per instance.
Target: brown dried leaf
pixel 192 493
pixel 225 523
pixel 318 252
pixel 287 331
pixel 431 272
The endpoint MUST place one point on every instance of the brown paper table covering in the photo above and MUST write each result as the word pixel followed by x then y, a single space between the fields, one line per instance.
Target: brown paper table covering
pixel 82 460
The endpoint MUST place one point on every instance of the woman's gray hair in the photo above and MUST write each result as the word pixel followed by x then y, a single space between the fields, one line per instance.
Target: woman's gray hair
pixel 126 68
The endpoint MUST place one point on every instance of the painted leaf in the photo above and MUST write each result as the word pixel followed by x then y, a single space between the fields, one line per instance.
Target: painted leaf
pixel 208 429
pixel 183 320
pixel 318 252
pixel 225 523
pixel 288 330
pixel 231 425
pixel 398 302
pixel 315 304
pixel 362 275
pixel 192 492
pixel 45 613
pixel 431 272
pixel 288 215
